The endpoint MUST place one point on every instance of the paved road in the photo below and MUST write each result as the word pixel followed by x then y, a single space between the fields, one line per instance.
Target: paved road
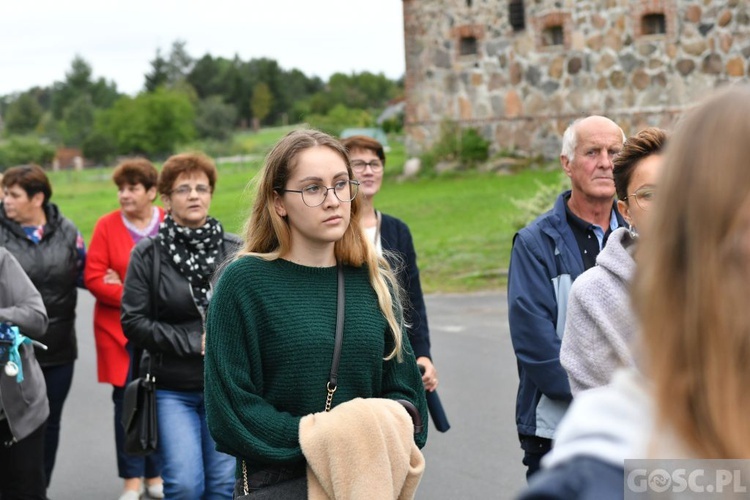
pixel 478 458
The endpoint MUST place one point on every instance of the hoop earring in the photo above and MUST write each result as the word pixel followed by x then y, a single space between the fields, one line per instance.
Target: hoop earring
pixel 633 232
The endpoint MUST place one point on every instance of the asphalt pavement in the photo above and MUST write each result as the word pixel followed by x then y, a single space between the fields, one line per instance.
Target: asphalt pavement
pixel 478 458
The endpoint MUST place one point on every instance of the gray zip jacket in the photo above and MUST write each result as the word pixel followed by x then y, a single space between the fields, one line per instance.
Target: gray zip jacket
pixel 24 404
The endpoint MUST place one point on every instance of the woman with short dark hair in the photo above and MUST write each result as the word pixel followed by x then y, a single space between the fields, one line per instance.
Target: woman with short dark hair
pixel 115 235
pixel 51 250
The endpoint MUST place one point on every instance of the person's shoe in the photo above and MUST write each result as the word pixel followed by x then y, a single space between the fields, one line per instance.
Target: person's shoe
pixel 155 490
pixel 130 495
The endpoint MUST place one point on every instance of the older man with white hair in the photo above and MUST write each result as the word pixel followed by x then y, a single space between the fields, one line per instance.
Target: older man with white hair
pixel 547 256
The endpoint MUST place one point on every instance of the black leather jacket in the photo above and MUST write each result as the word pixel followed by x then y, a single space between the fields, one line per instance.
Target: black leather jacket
pixel 173 341
pixel 52 265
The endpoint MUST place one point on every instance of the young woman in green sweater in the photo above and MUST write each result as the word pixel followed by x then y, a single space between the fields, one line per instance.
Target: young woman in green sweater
pixel 270 327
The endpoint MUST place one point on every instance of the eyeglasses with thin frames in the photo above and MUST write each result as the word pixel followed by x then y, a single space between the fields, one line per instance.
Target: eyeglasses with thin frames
pixel 315 194
pixel 359 166
pixel 185 190
pixel 644 197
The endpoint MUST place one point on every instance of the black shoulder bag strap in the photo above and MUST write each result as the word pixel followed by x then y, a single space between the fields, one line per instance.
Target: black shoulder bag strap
pixel 333 377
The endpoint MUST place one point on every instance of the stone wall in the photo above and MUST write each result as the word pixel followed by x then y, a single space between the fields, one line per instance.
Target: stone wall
pixel 522 94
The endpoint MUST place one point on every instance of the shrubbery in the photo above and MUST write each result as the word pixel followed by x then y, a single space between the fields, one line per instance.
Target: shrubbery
pixel 543 200
pixel 339 118
pixel 20 150
pixel 466 146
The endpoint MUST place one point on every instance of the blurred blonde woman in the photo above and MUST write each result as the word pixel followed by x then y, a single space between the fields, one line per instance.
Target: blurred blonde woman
pixel 690 398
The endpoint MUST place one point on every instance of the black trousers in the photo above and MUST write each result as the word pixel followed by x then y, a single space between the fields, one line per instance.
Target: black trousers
pixel 22 475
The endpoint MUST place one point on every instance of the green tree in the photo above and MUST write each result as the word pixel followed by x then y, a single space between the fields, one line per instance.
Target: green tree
pixel 78 120
pixel 179 63
pixel 261 103
pixel 158 75
pixel 214 118
pixel 207 77
pixel 77 82
pixel 171 72
pixel 152 123
pixel 23 114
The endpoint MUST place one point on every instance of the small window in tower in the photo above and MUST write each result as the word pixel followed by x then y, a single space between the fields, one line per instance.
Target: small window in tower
pixel 653 24
pixel 516 15
pixel 468 45
pixel 553 35
pixel 468 3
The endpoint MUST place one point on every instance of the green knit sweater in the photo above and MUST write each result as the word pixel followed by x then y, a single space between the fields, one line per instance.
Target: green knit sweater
pixel 269 342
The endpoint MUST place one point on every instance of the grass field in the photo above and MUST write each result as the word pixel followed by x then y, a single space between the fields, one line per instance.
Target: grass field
pixel 462 223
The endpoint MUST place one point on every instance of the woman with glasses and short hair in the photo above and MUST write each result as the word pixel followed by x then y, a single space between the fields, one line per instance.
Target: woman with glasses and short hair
pixel 600 324
pixel 190 245
pixel 270 328
pixel 392 239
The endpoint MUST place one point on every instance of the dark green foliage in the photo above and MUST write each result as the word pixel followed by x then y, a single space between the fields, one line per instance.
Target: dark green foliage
pixel 218 95
pixel 393 125
pixel 158 75
pixel 215 119
pixel 23 114
pixel 466 146
pixel 78 120
pixel 473 147
pixel 99 147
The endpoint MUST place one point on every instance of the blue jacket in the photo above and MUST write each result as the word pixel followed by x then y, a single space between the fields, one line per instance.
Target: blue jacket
pixel 396 237
pixel 544 262
pixel 604 427
pixel 582 478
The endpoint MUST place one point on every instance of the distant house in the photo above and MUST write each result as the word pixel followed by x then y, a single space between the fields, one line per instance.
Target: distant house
pixel 521 71
pixel 68 158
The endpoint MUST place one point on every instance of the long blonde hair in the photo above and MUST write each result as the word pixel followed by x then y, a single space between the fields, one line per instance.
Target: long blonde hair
pixel 267 235
pixel 693 278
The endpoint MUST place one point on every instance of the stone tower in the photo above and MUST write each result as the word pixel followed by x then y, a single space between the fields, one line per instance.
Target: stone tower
pixel 521 70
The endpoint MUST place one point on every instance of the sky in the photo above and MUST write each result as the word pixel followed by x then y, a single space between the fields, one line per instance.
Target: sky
pixel 38 40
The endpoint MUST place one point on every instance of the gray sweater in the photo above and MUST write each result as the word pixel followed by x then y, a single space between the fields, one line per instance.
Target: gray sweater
pixel 600 321
pixel 25 403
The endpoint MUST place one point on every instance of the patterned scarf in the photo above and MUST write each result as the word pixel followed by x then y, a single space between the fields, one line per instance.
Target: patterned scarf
pixel 194 252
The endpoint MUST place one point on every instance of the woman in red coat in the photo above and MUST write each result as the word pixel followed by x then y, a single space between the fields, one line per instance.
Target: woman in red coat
pixel 115 235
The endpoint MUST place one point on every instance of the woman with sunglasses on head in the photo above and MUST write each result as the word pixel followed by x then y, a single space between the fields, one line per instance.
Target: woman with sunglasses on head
pixel 190 245
pixel 393 240
pixel 270 329
pixel 599 324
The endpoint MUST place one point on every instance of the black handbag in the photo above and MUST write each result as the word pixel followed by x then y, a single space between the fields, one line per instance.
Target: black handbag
pixel 139 403
pixel 139 416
